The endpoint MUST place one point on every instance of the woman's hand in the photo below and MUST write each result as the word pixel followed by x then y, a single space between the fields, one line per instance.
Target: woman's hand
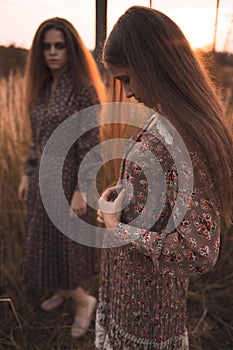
pixel 110 207
pixel 78 206
pixel 23 188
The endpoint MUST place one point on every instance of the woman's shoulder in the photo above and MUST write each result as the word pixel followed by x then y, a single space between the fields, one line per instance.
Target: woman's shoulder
pixel 87 93
pixel 172 144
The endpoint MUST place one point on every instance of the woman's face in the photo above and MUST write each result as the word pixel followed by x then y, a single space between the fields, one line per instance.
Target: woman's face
pixel 132 86
pixel 55 51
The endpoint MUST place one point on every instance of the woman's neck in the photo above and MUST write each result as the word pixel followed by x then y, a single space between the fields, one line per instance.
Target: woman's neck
pixel 55 79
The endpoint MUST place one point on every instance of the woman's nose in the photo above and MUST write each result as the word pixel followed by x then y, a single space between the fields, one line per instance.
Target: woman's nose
pixel 52 49
pixel 128 92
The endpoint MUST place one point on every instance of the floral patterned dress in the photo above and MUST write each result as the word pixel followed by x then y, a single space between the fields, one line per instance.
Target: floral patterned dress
pixel 144 283
pixel 52 260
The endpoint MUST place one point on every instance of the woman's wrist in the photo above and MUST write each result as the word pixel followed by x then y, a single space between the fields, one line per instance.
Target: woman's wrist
pixel 111 223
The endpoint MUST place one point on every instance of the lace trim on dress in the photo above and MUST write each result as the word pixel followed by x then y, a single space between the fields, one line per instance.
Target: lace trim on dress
pixel 164 132
pixel 102 339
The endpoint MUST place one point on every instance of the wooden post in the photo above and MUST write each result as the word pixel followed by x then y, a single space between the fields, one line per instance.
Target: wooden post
pixel 101 28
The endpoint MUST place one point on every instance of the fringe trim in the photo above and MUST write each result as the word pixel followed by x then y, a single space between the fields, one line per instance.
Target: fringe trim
pixel 102 338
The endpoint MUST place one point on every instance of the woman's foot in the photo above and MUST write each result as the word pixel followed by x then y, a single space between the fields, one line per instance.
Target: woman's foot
pixel 83 317
pixel 54 302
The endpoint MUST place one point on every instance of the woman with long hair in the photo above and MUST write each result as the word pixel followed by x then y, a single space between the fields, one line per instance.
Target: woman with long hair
pixel 144 281
pixel 61 78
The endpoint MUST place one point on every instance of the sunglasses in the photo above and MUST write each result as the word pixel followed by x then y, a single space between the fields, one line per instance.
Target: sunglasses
pixel 57 46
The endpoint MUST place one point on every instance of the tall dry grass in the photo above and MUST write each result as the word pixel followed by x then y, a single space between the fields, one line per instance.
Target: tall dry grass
pixel 22 324
pixel 14 139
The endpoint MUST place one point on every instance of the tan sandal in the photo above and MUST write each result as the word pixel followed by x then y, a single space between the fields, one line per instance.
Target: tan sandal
pixel 81 324
pixel 52 303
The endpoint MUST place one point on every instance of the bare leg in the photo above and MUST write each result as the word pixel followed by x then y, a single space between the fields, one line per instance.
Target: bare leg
pixel 80 299
pixel 62 293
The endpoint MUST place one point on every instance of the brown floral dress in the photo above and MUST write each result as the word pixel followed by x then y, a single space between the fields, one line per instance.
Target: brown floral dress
pixel 144 283
pixel 51 260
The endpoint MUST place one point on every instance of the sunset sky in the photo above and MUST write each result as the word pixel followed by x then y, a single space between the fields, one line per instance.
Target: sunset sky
pixel 19 19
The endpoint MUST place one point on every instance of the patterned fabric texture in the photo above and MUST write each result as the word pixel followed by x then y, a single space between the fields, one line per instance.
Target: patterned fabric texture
pixel 144 283
pixel 51 260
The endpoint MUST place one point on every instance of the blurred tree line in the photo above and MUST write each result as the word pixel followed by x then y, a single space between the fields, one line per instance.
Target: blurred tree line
pixel 14 58
pixel 224 58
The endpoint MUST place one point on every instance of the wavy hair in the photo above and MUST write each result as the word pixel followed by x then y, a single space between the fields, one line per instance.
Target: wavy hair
pixel 158 53
pixel 81 62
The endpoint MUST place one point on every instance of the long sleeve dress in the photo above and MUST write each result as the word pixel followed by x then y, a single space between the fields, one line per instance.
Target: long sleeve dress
pixel 51 260
pixel 144 283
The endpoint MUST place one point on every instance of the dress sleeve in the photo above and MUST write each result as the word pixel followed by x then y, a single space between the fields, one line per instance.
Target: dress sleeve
pixel 89 140
pixel 31 158
pixel 192 247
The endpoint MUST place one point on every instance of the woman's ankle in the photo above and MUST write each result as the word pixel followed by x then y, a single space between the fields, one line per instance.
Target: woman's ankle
pixel 79 296
pixel 62 293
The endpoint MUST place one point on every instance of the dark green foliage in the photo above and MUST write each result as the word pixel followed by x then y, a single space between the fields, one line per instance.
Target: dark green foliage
pixel 12 59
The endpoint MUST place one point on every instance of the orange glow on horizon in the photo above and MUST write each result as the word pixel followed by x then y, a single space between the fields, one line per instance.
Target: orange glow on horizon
pixel 195 17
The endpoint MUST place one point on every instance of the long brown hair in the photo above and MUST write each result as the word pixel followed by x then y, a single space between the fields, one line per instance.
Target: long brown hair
pixel 82 65
pixel 155 48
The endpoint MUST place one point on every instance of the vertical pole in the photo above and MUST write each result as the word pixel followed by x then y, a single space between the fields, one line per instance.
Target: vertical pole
pixel 150 3
pixel 215 27
pixel 101 27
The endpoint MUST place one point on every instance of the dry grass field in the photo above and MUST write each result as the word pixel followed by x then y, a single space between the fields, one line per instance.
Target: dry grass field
pixel 23 325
